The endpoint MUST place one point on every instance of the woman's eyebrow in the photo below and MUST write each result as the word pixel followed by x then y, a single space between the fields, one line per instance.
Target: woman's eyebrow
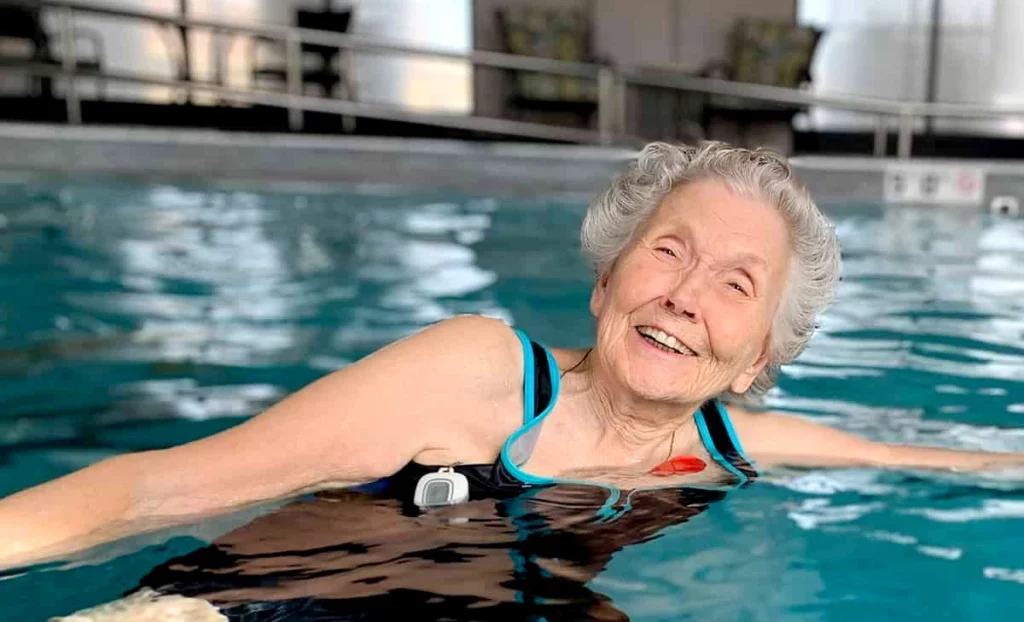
pixel 747 259
pixel 683 231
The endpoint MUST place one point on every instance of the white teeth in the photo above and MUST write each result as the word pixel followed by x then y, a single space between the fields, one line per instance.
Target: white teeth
pixel 665 339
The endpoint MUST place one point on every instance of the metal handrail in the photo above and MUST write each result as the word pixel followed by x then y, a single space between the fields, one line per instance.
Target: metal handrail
pixel 345 107
pixel 781 94
pixel 907 111
pixel 612 83
pixel 485 58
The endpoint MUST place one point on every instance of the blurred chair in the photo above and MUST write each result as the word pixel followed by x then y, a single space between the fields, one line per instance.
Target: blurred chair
pixel 324 72
pixel 559 34
pixel 760 52
pixel 25 24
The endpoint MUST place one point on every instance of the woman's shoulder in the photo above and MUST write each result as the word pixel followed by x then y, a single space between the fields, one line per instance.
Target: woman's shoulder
pixel 475 366
pixel 473 340
pixel 476 355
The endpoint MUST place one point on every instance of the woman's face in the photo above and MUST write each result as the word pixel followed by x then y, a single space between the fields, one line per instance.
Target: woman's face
pixel 705 273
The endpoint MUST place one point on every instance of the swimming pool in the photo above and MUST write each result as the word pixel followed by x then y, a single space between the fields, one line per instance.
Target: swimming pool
pixel 138 315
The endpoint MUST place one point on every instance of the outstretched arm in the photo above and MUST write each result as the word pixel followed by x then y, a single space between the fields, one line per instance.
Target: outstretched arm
pixel 355 425
pixel 777 439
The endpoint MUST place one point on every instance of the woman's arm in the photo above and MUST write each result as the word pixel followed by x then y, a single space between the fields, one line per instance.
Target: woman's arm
pixel 773 438
pixel 355 425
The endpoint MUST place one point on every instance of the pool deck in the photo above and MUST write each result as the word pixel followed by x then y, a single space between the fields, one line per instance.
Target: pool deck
pixel 204 155
pixel 517 168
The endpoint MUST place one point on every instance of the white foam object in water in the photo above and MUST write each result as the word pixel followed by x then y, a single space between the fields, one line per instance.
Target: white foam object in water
pixel 149 606
pixel 1005 205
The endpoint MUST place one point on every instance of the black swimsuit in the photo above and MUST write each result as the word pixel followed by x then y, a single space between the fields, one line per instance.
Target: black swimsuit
pixel 503 478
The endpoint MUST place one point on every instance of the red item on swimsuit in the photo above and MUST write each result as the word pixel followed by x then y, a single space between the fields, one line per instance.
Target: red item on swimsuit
pixel 680 465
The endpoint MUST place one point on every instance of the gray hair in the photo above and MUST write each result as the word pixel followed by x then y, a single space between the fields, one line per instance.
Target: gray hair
pixel 615 216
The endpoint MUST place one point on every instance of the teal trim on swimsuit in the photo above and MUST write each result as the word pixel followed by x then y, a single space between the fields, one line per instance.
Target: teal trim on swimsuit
pixel 606 512
pixel 528 399
pixel 709 444
pixel 735 438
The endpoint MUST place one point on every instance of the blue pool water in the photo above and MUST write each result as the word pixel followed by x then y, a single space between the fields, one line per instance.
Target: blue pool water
pixel 135 316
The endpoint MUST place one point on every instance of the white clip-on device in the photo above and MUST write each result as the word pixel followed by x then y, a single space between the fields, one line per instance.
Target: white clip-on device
pixel 445 487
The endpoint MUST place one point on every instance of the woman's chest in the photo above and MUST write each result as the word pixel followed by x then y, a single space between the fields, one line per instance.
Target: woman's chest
pixel 563 453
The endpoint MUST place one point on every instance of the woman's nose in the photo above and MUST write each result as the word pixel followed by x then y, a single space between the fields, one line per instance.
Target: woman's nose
pixel 684 297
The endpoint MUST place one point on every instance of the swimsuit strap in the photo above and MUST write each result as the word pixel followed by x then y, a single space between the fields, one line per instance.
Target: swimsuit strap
pixel 539 377
pixel 540 391
pixel 719 438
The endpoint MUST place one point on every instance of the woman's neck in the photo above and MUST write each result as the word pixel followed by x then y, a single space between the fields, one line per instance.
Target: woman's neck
pixel 616 424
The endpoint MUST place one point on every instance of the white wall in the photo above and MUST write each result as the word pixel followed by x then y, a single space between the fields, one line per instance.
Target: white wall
pixel 880 48
pixel 877 48
pixel 980 62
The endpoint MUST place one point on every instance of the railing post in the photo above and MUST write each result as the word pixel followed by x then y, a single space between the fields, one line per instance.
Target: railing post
pixel 293 69
pixel 347 64
pixel 620 105
pixel 905 138
pixel 606 105
pixel 881 145
pixel 69 64
pixel 217 56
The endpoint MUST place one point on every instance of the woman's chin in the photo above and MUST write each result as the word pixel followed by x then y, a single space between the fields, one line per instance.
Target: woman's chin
pixel 660 387
pixel 654 374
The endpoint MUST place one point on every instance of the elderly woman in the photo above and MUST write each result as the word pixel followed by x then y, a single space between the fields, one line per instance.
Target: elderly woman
pixel 712 265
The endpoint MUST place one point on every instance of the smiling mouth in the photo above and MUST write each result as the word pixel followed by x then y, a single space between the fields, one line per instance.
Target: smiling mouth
pixel 664 341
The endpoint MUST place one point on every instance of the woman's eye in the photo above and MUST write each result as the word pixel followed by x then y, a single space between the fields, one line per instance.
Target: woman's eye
pixel 738 288
pixel 667 251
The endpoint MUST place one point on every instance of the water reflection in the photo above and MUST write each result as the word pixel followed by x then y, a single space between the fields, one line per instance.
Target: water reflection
pixel 416 267
pixel 356 556
pixel 928 295
pixel 191 304
pixel 923 346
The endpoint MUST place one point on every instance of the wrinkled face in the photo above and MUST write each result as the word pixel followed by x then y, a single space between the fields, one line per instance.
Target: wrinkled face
pixel 685 312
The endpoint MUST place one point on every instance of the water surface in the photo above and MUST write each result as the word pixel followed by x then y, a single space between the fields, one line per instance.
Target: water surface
pixel 136 316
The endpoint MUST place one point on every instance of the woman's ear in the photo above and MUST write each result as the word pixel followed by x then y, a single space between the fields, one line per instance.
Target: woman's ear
pixel 742 383
pixel 599 293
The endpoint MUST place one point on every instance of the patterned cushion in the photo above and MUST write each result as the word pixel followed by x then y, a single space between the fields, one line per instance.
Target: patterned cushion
pixel 767 52
pixel 548 33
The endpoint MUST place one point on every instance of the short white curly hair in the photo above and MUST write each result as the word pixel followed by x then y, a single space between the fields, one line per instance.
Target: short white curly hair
pixel 615 216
